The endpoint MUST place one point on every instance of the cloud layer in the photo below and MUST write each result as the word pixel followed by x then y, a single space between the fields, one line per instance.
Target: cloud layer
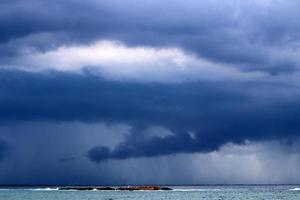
pixel 52 153
pixel 252 36
pixel 200 116
pixel 115 61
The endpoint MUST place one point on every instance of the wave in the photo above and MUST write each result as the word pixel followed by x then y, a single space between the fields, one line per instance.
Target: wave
pixel 195 190
pixel 45 189
pixel 295 189
pixel 30 189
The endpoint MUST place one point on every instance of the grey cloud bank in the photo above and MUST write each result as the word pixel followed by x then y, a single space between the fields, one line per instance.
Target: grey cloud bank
pixel 253 35
pixel 201 116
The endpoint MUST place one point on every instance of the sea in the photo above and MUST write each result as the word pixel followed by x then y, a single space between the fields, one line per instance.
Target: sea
pixel 212 192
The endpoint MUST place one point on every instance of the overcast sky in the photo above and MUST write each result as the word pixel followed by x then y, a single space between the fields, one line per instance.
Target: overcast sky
pixel 149 92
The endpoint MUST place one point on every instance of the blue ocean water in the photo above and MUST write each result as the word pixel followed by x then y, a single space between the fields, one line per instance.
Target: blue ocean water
pixel 250 192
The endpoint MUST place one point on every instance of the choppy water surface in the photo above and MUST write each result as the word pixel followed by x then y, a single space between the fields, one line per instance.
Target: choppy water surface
pixel 279 192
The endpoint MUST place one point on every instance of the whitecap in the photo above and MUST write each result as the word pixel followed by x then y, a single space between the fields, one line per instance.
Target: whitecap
pixel 45 189
pixel 195 190
pixel 295 189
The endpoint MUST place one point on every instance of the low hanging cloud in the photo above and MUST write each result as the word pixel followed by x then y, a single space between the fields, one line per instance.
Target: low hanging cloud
pixel 57 148
pixel 137 145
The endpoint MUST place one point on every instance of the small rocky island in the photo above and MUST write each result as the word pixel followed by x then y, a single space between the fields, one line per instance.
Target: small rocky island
pixel 124 188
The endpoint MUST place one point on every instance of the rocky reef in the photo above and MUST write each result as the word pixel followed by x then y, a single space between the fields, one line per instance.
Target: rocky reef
pixel 132 188
pixel 124 188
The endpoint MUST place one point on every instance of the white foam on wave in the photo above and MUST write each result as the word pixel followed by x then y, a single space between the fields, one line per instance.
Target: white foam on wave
pixel 295 189
pixel 45 189
pixel 195 190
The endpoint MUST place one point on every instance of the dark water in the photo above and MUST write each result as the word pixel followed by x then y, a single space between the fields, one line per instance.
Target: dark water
pixel 278 192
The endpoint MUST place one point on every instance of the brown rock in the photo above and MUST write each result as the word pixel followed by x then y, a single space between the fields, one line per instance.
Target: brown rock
pixel 129 188
pixel 151 188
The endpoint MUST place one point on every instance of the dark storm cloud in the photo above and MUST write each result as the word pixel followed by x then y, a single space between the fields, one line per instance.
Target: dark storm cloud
pixel 202 116
pixel 249 34
pixel 63 96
